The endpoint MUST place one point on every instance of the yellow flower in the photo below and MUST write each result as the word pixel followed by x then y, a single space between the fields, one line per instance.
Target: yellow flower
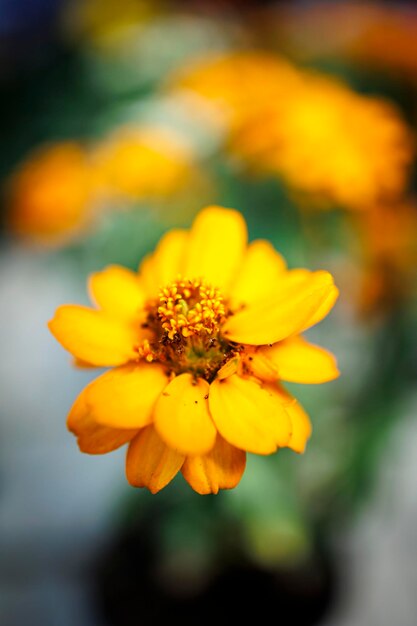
pixel 330 142
pixel 313 131
pixel 238 85
pixel 49 196
pixel 143 162
pixel 199 341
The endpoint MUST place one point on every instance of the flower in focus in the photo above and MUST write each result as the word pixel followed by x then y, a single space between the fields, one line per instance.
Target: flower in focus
pixel 50 195
pixel 198 342
pixel 314 132
pixel 143 163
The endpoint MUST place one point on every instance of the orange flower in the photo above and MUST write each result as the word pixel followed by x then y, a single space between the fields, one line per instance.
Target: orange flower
pixel 369 34
pixel 199 341
pixel 313 131
pixel 388 240
pixel 332 143
pixel 50 194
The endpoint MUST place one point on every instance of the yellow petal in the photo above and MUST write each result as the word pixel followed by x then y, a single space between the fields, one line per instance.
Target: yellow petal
pixel 165 264
pixel 261 269
pixel 221 468
pixel 117 291
pixel 94 438
pixel 249 416
pixel 284 314
pixel 293 280
pixel 125 397
pixel 148 278
pixel 216 246
pixel 182 417
pixel 229 368
pixel 261 367
pixel 298 361
pixel 149 462
pixel 93 336
pixel 301 424
pixel 323 309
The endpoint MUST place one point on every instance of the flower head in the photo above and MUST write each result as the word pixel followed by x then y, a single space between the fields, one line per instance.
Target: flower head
pixel 238 85
pixel 311 130
pixel 61 190
pixel 143 162
pixel 50 194
pixel 199 341
pixel 332 143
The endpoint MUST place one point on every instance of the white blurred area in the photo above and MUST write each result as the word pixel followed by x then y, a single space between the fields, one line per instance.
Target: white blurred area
pixel 378 555
pixel 57 505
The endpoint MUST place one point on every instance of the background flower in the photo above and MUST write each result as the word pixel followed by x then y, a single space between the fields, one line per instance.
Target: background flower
pixel 315 133
pixel 50 197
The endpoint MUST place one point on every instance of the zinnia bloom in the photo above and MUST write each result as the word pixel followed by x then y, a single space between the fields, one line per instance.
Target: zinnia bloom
pixel 50 194
pixel 238 85
pixel 332 143
pixel 320 137
pixel 143 163
pixel 198 342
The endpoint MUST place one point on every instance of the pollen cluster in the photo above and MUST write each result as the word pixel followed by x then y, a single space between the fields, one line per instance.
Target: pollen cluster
pixel 185 323
pixel 191 307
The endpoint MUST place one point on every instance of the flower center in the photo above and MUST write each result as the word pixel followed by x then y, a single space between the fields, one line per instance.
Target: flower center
pixel 191 308
pixel 185 323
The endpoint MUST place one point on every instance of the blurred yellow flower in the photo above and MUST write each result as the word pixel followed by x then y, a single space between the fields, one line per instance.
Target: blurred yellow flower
pixel 199 341
pixel 314 132
pixel 239 85
pixel 143 163
pixel 49 197
pixel 61 189
pixel 332 143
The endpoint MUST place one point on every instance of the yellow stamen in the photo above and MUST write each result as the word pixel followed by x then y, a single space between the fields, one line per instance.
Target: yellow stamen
pixel 145 351
pixel 190 307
